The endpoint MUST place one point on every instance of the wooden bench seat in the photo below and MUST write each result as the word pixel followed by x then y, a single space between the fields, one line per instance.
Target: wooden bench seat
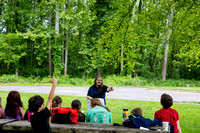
pixel 25 126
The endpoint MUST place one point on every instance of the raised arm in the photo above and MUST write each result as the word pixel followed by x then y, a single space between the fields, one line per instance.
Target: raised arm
pixel 49 102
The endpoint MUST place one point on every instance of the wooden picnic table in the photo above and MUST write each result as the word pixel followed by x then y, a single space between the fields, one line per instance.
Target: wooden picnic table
pixel 24 126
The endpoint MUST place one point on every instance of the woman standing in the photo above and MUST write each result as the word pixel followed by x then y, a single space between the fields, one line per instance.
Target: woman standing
pixel 98 90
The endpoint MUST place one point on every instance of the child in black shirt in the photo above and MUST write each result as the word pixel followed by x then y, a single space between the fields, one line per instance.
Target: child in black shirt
pixel 41 118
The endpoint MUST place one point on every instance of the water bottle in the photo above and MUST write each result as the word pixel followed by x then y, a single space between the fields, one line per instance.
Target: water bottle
pixel 125 114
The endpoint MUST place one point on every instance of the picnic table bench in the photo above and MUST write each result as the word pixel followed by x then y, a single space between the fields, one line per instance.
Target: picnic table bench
pixel 14 126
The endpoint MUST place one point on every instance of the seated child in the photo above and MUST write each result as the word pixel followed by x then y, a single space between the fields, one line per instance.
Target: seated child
pixel 77 104
pixel 98 113
pixel 57 102
pixel 14 106
pixel 63 115
pixel 167 113
pixel 135 113
pixel 136 120
pixel 41 116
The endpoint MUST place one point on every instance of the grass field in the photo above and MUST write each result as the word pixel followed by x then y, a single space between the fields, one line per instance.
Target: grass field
pixel 189 113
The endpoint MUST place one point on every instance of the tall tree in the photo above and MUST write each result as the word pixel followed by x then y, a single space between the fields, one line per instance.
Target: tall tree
pixel 164 68
pixel 50 58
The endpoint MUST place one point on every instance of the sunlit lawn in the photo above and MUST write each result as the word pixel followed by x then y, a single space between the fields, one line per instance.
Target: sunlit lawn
pixel 189 113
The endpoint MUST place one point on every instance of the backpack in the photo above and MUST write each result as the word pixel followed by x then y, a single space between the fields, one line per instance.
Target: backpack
pixel 65 116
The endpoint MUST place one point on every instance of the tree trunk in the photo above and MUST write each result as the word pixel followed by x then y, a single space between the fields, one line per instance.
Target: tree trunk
pixel 16 72
pixel 140 11
pixel 132 20
pixel 57 20
pixel 50 60
pixel 63 46
pixel 1 4
pixel 122 56
pixel 84 72
pixel 98 72
pixel 10 45
pixel 57 29
pixel 164 67
pixel 130 74
pixel 66 55
pixel 172 58
pixel 133 14
pixel 140 6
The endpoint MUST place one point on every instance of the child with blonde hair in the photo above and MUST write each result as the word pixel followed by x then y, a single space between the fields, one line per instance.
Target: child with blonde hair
pixel 98 113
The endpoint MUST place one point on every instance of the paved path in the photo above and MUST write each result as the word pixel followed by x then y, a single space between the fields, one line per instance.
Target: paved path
pixel 119 92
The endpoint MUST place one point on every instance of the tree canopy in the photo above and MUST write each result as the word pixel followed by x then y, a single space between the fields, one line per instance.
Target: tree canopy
pixel 83 38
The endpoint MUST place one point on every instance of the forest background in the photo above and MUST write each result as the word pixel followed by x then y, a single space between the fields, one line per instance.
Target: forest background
pixel 137 39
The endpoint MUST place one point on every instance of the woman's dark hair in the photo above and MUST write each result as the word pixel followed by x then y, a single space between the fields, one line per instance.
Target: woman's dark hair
pixel 56 100
pixel 81 116
pixel 76 104
pixel 166 101
pixel 137 110
pixel 99 87
pixel 96 102
pixel 34 103
pixel 13 103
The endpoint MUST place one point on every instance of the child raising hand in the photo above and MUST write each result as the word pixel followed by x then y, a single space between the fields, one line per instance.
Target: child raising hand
pixel 40 118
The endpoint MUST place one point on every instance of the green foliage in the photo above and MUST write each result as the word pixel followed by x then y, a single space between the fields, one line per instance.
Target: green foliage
pixel 124 81
pixel 11 49
pixel 9 78
pixel 173 83
pixel 99 34
pixel 113 80
pixel 57 61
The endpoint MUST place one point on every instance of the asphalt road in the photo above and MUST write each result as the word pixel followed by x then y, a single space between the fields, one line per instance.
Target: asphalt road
pixel 119 92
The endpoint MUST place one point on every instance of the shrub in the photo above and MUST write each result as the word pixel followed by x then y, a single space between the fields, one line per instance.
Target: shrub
pixel 112 80
pixel 8 78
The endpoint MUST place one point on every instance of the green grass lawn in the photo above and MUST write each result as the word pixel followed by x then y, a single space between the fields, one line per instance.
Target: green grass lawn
pixel 189 113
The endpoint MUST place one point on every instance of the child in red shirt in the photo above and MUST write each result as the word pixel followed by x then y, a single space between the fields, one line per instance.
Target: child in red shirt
pixel 168 114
